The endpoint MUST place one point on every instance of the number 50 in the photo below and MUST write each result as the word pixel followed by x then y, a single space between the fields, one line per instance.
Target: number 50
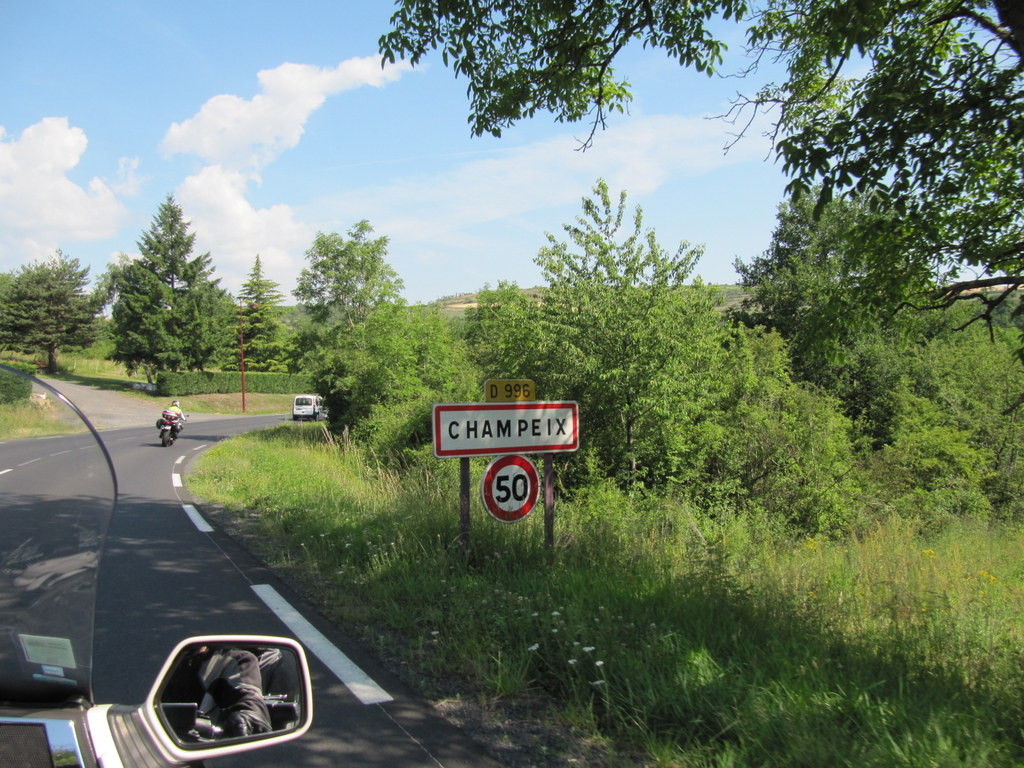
pixel 516 486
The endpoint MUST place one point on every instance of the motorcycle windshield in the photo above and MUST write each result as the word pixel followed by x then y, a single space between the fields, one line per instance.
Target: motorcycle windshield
pixel 57 495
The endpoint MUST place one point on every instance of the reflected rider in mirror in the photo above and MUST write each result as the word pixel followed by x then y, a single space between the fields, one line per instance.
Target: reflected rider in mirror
pixel 232 702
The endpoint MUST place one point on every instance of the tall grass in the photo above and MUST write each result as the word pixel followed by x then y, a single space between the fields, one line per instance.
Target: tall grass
pixel 700 642
pixel 36 418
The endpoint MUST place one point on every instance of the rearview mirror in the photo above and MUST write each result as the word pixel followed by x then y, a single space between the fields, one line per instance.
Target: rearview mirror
pixel 222 694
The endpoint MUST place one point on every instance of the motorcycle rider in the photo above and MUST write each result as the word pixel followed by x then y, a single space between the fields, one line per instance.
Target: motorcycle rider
pixel 179 415
pixel 227 683
pixel 175 415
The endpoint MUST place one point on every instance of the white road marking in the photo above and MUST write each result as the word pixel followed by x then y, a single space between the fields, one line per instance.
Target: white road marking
pixel 4 471
pixel 176 480
pixel 197 519
pixel 361 685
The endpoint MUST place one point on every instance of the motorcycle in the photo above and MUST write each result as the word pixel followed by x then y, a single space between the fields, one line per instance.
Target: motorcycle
pixel 170 425
pixel 216 695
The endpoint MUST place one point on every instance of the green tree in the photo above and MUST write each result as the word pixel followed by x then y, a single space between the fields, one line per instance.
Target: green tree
pixel 918 106
pixel 764 443
pixel 795 285
pixel 46 308
pixel 391 369
pixel 960 398
pixel 262 332
pixel 7 338
pixel 502 331
pixel 932 134
pixel 803 286
pixel 620 333
pixel 347 278
pixel 347 281
pixel 168 313
pixel 550 55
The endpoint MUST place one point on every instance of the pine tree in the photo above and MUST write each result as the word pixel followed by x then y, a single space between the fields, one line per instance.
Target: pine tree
pixel 169 313
pixel 261 328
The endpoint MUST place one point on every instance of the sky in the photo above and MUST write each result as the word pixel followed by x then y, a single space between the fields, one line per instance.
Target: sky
pixel 270 122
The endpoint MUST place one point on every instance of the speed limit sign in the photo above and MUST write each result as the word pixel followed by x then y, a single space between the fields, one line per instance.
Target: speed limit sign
pixel 510 488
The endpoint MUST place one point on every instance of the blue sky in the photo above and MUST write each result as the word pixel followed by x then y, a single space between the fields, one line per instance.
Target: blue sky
pixel 269 123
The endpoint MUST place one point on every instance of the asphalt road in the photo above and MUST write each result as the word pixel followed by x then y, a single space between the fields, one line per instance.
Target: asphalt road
pixel 167 573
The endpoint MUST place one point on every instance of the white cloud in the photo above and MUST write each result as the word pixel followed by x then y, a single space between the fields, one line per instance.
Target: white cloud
pixel 513 195
pixel 127 183
pixel 40 207
pixel 247 134
pixel 638 156
pixel 234 232
pixel 239 137
pixel 485 219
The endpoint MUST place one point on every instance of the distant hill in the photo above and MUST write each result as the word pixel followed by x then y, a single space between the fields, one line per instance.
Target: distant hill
pixel 730 297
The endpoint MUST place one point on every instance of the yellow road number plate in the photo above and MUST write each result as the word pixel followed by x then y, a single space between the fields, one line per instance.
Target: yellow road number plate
pixel 509 390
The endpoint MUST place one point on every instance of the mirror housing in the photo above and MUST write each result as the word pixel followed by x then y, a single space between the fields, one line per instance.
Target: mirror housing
pixel 221 694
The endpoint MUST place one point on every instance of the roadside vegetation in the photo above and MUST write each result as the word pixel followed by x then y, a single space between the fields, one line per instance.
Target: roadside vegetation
pixel 775 546
pixel 34 418
pixel 689 638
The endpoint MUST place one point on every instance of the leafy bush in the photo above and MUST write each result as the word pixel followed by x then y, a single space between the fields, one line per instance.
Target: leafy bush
pixel 768 445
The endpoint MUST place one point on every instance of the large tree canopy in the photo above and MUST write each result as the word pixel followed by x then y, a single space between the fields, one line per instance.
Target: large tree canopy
pixel 919 106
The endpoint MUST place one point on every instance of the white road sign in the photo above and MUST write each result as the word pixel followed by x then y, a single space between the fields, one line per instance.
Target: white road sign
pixel 484 429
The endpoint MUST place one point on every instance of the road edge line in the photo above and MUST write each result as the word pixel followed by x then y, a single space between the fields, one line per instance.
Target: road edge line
pixel 354 678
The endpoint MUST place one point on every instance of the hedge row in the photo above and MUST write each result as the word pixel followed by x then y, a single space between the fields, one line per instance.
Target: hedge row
pixel 14 389
pixel 30 368
pixel 210 383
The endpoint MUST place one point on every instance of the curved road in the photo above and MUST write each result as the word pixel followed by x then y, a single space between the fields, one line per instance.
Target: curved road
pixel 167 574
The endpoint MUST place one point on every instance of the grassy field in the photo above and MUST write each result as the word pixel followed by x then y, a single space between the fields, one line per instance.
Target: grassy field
pixel 693 642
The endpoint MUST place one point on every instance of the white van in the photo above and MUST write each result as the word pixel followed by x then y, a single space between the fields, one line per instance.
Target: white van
pixel 308 407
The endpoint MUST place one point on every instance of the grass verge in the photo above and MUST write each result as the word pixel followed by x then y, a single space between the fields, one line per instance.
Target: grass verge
pixel 693 642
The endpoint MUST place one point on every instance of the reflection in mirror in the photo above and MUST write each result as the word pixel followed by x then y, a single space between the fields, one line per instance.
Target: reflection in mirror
pixel 224 691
